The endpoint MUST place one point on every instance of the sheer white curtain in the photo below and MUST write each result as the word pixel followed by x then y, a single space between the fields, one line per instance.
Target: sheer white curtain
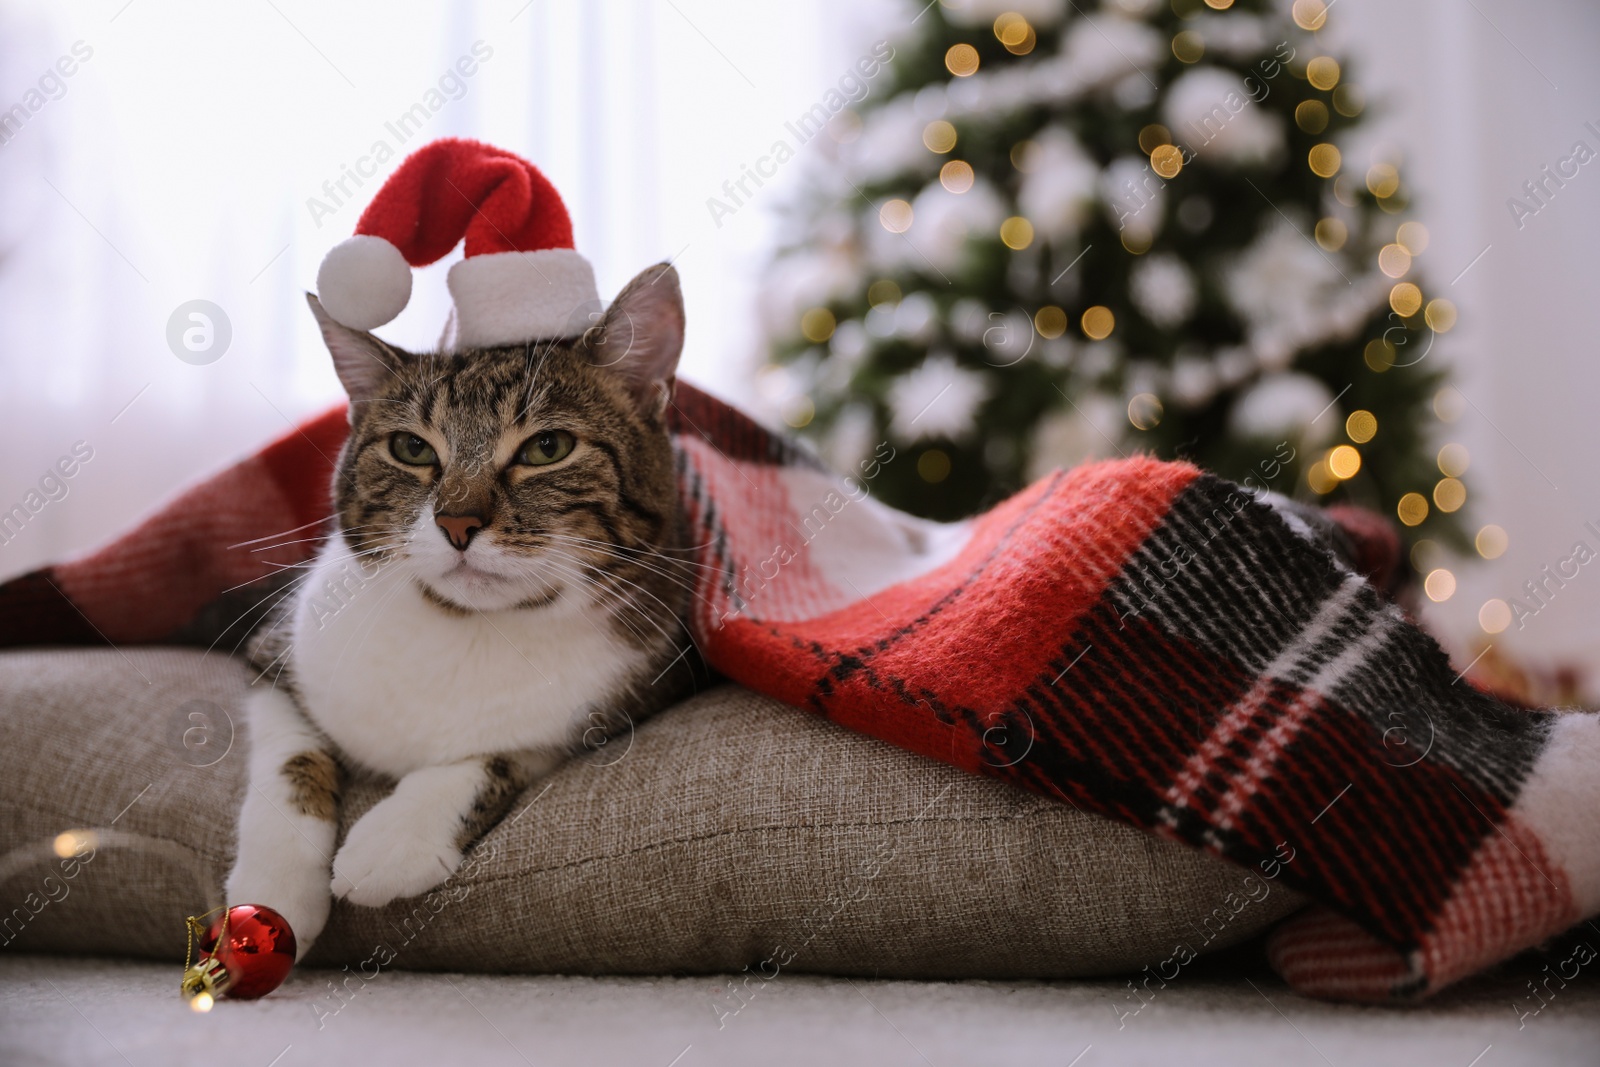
pixel 178 159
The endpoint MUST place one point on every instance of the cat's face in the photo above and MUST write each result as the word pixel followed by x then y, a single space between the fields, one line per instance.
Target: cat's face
pixel 509 477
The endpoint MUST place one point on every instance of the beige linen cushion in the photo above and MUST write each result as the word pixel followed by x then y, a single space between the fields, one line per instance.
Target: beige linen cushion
pixel 726 832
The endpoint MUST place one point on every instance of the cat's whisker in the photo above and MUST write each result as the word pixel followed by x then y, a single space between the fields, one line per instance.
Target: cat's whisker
pixel 376 550
pixel 585 575
pixel 601 574
pixel 276 596
pixel 287 648
pixel 311 540
pixel 644 548
pixel 404 535
pixel 286 595
pixel 309 561
pixel 262 578
pixel 650 616
pixel 668 568
pixel 280 533
pixel 257 578
pixel 602 590
pixel 585 580
pixel 688 585
pixel 286 544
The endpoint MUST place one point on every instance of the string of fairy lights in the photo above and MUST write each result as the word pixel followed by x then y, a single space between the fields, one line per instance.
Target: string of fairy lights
pixel 1396 261
pixel 1406 299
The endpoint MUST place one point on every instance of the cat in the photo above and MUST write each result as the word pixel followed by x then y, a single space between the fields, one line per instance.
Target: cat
pixel 507 568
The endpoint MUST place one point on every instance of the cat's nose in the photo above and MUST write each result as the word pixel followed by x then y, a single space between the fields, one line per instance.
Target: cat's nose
pixel 459 528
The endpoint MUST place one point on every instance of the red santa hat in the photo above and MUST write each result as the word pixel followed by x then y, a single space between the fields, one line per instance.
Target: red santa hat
pixel 521 279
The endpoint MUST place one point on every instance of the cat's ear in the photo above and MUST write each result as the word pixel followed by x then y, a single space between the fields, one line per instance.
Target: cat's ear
pixel 364 364
pixel 641 336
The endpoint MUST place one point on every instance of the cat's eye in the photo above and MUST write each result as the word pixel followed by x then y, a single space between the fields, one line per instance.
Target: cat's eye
pixel 546 447
pixel 410 449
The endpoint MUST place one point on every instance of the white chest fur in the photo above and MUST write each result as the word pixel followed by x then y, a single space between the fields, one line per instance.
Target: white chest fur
pixel 399 683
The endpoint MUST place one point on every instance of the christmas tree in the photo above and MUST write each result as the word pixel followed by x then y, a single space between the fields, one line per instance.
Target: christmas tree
pixel 1053 231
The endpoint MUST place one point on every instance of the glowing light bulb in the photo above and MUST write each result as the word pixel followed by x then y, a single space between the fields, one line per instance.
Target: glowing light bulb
pixel 1449 494
pixel 1188 46
pixel 817 325
pixel 961 60
pixel 1344 462
pixel 1383 180
pixel 895 216
pixel 1331 234
pixel 1153 137
pixel 1323 72
pixel 1412 509
pixel 1098 322
pixel 74 842
pixel 1394 261
pixel 1320 479
pixel 1413 236
pixel 1379 354
pixel 939 136
pixel 1311 116
pixel 956 176
pixel 1016 232
pixel 1492 541
pixel 1013 31
pixel 1454 460
pixel 1405 298
pixel 1310 14
pixel 1324 160
pixel 799 412
pixel 1050 321
pixel 1348 100
pixel 1145 411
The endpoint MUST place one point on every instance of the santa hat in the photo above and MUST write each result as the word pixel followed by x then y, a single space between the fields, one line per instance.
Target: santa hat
pixel 521 279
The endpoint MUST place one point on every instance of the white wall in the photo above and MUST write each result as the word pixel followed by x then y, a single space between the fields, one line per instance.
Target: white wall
pixel 1481 94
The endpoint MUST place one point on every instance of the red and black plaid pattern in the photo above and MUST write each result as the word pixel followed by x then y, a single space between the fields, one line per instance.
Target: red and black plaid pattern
pixel 1136 638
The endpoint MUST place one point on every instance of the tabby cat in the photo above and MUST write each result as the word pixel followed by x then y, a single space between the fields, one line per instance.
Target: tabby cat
pixel 507 566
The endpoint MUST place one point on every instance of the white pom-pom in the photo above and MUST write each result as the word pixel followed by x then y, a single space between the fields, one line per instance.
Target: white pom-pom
pixel 364 282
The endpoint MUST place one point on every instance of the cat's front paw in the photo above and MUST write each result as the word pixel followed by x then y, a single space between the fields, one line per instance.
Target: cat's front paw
pixel 297 892
pixel 390 854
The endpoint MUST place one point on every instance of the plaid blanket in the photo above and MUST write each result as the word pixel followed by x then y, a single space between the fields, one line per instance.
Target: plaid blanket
pixel 1135 638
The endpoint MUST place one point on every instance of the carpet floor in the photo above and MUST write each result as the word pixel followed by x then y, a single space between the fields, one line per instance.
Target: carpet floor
pixel 57 1010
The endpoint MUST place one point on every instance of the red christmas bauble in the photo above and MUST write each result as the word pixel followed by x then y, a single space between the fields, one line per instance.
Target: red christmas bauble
pixel 256 951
